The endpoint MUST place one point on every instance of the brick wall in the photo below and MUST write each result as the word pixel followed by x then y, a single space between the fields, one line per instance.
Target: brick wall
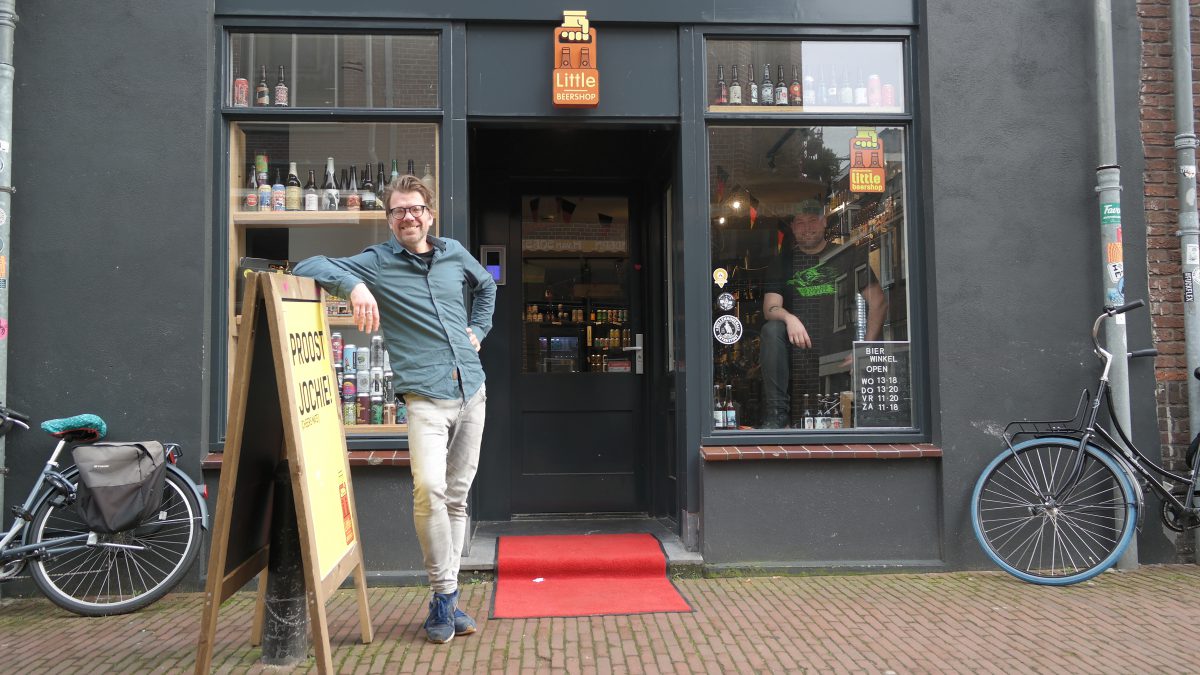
pixel 1162 245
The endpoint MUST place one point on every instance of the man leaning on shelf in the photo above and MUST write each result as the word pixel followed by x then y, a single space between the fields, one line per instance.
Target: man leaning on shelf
pixel 412 285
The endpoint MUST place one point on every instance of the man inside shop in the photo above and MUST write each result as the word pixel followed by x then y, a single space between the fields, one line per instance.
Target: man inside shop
pixel 799 297
pixel 413 286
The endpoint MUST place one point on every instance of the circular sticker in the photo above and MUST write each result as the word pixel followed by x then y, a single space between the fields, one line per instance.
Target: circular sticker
pixel 725 301
pixel 727 329
pixel 720 277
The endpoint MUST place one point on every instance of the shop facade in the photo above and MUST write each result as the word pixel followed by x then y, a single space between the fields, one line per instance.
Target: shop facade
pixel 921 205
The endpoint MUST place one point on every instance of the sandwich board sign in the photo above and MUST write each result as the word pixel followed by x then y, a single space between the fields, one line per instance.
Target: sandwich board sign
pixel 284 405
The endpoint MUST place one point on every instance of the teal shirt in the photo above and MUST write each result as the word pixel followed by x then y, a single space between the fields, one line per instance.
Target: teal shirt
pixel 423 310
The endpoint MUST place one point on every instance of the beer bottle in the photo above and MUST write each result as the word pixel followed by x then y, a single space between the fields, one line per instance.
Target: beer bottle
pixel 278 194
pixel 353 197
pixel 831 91
pixel 730 412
pixel 752 84
pixel 427 177
pixel 766 91
pixel 846 93
pixel 312 201
pixel 722 94
pixel 281 90
pixel 860 90
pixel 412 167
pixel 250 195
pixel 735 88
pixel 781 89
pixel 810 422
pixel 380 186
pixel 395 172
pixel 262 93
pixel 795 93
pixel 330 198
pixel 368 189
pixel 292 191
pixel 718 408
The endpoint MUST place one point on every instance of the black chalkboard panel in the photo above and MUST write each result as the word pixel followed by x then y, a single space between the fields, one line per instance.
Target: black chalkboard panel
pixel 882 385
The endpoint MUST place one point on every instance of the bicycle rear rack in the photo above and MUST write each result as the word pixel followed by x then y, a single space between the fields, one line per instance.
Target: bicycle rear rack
pixel 1021 430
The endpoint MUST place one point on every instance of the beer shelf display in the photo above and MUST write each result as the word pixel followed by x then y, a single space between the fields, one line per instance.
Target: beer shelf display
pixel 280 211
pixel 577 337
pixel 804 76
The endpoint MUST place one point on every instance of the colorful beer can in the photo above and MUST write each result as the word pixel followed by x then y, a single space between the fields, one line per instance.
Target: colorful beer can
pixel 376 410
pixel 362 358
pixel 349 388
pixel 889 95
pixel 364 408
pixel 337 344
pixel 348 357
pixel 349 411
pixel 241 93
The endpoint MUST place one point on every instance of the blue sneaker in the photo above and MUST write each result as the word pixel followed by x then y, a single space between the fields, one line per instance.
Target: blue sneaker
pixel 439 627
pixel 463 623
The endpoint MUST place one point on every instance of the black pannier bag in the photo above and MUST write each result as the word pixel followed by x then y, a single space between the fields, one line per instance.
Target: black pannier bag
pixel 120 484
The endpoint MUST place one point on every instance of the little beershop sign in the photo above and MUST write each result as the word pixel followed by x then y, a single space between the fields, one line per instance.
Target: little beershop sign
pixel 576 81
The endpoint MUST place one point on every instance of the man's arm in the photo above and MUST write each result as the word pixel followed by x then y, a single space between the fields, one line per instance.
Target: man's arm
pixel 483 296
pixel 773 310
pixel 350 278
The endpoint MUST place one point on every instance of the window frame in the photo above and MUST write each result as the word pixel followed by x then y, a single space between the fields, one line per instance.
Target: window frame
pixel 918 320
pixel 450 100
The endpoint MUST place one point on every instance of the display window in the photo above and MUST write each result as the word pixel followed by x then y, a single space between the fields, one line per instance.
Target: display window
pixel 325 70
pixel 810 301
pixel 805 76
pixel 302 189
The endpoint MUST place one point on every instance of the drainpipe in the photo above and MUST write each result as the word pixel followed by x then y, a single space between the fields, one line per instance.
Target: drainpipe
pixel 8 26
pixel 1108 185
pixel 1189 224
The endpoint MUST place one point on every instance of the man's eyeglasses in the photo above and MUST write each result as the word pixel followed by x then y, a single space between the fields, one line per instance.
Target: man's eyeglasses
pixel 415 211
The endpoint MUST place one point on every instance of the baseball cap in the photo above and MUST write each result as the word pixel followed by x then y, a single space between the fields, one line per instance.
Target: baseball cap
pixel 810 207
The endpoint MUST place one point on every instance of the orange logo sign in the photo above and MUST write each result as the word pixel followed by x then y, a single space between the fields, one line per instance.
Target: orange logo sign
pixel 867 173
pixel 576 78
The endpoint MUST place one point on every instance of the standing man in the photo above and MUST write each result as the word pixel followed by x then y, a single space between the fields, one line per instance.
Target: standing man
pixel 414 286
pixel 798 312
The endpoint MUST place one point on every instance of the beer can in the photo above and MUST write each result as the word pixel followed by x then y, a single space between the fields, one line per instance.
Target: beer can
pixel 889 95
pixel 261 162
pixel 362 358
pixel 338 344
pixel 389 386
pixel 401 413
pixel 363 382
pixel 874 91
pixel 241 93
pixel 348 357
pixel 377 382
pixel 377 351
pixel 389 413
pixel 349 411
pixel 349 388
pixel 364 408
pixel 376 410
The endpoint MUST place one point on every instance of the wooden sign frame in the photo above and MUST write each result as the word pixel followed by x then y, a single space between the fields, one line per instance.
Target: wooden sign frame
pixel 284 337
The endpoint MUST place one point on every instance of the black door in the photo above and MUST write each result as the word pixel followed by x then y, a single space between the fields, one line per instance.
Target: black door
pixel 577 433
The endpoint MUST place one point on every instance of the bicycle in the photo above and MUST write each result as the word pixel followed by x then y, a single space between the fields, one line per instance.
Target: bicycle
pixel 1061 503
pixel 90 573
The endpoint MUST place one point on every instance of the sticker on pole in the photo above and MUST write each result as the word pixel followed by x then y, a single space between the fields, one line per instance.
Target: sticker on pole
pixel 1110 213
pixel 1116 271
pixel 1189 293
pixel 1192 255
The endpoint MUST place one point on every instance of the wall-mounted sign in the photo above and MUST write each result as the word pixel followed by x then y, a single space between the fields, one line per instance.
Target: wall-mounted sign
pixel 867 173
pixel 576 81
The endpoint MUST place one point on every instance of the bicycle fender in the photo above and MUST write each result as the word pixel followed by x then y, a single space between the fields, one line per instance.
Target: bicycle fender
pixel 195 490
pixel 1135 481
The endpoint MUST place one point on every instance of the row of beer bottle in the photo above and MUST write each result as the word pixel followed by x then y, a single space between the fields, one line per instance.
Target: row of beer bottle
pixel 828 91
pixel 724 412
pixel 347 194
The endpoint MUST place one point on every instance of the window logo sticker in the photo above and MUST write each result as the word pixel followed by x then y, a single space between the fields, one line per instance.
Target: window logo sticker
pixel 725 301
pixel 727 329
pixel 720 277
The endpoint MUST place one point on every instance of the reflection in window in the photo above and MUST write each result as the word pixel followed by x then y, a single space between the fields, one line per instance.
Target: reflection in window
pixel 807 224
pixel 337 71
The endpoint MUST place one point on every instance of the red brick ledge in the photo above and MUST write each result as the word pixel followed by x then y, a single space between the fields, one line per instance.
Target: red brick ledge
pixel 357 458
pixel 733 453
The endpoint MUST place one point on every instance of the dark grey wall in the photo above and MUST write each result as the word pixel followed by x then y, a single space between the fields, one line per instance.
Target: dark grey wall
pixel 793 514
pixel 110 223
pixel 1013 228
pixel 509 72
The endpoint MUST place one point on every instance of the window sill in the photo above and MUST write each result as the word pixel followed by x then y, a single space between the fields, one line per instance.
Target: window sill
pixel 212 461
pixel 733 453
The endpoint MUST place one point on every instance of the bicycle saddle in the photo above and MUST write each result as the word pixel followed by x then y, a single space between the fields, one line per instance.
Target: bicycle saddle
pixel 86 427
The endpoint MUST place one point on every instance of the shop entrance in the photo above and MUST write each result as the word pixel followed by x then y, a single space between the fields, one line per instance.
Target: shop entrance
pixel 571 351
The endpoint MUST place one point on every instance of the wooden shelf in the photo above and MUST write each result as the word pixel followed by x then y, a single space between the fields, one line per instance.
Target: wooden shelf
pixel 308 218
pixel 368 429
pixel 799 109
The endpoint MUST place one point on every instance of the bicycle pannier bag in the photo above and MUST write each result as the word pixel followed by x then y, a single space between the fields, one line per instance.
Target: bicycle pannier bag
pixel 120 484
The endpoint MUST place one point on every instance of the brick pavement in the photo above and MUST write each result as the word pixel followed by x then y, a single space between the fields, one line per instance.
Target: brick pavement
pixel 978 622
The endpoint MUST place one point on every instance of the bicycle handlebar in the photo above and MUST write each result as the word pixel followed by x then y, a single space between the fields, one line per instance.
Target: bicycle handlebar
pixel 1113 311
pixel 1137 353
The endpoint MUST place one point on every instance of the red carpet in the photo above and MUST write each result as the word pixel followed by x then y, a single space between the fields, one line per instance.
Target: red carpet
pixel 582 575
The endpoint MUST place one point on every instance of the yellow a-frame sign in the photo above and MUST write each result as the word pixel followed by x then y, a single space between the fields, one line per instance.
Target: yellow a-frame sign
pixel 284 404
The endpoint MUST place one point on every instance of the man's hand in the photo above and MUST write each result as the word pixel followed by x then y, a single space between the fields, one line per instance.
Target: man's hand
pixel 474 340
pixel 797 334
pixel 366 310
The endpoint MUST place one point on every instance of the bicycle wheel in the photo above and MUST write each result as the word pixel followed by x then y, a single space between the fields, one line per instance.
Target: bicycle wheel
pixel 1046 540
pixel 124 571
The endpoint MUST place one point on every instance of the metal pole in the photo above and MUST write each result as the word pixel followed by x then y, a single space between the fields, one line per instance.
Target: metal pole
pixel 1189 223
pixel 285 626
pixel 8 27
pixel 1108 185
